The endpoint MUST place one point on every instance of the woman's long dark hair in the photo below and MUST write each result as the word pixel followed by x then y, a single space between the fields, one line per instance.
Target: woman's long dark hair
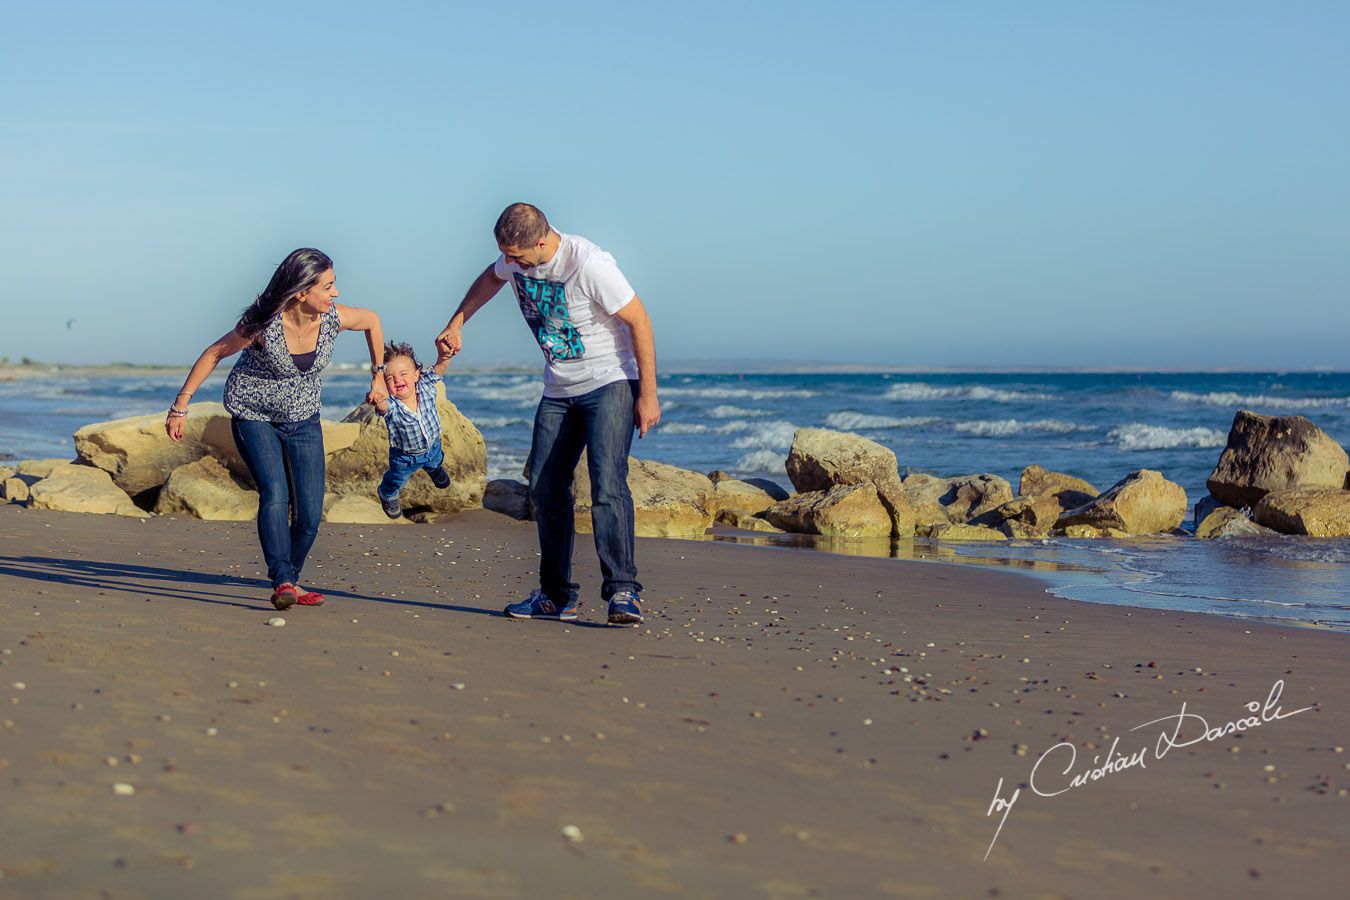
pixel 297 273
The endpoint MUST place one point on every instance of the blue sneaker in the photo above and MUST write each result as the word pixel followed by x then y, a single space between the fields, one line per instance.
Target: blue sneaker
pixel 625 609
pixel 539 606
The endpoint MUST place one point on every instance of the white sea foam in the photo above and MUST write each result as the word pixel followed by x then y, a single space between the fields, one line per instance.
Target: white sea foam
pixel 683 428
pixel 1229 398
pixel 767 436
pixel 726 411
pixel 856 421
pixel 1139 436
pixel 761 461
pixel 521 393
pixel 499 421
pixel 720 393
pixel 735 426
pixel 505 465
pixel 1005 427
pixel 918 390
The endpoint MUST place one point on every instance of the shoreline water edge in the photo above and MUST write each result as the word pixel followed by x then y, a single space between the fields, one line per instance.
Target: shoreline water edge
pixel 1097 427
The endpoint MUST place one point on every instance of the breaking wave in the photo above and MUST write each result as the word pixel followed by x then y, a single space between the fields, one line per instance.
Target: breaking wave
pixel 1229 398
pixel 918 390
pixel 1138 436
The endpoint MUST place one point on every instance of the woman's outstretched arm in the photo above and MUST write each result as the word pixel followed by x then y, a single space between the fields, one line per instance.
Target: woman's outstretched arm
pixel 228 345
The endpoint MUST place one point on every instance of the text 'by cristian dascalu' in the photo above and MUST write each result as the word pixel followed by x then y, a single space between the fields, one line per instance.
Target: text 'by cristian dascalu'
pixel 1050 776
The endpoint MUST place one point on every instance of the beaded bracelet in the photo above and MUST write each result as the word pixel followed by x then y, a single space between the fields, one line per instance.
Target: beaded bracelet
pixel 176 413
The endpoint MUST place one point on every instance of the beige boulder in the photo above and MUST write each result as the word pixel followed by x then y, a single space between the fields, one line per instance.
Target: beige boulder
pixel 138 454
pixel 1091 531
pixel 957 500
pixel 739 497
pixel 842 511
pixel 821 459
pixel 1143 502
pixel 1227 522
pixel 667 501
pixel 1275 453
pixel 82 489
pixel 746 522
pixel 352 509
pixel 205 489
pixel 7 472
pixel 1316 512
pixel 43 468
pixel 953 532
pixel 361 456
pixel 1030 517
pixel 1038 480
pixel 14 489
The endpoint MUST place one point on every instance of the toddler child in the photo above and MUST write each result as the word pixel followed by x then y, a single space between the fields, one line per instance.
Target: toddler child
pixel 414 423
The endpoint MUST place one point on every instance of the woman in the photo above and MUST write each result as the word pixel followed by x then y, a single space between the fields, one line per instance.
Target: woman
pixel 273 396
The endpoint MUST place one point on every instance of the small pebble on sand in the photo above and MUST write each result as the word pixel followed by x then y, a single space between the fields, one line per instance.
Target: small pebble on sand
pixel 276 621
pixel 572 834
pixel 122 789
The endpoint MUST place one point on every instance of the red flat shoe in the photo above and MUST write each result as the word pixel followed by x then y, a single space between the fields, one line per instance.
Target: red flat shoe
pixel 308 598
pixel 285 596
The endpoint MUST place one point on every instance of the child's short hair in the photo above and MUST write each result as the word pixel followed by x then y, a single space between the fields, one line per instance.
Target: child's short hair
pixel 393 350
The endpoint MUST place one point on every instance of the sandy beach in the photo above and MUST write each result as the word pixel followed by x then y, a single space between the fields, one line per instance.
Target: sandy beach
pixel 787 724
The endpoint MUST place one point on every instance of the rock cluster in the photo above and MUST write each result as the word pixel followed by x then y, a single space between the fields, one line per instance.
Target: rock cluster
pixel 129 467
pixel 1280 474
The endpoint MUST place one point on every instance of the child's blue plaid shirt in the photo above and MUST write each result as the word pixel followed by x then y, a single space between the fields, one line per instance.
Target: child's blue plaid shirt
pixel 415 432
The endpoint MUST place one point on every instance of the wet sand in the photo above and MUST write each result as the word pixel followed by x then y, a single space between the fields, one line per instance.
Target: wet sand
pixel 787 724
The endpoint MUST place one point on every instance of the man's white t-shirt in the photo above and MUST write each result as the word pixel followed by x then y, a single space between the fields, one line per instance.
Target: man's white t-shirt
pixel 569 303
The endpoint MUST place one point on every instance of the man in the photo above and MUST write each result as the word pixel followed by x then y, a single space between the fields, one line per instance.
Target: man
pixel 599 384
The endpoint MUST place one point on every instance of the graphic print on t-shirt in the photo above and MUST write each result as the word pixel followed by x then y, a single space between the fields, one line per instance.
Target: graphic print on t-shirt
pixel 544 305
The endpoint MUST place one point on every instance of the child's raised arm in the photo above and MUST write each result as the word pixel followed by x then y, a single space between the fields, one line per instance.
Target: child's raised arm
pixel 442 361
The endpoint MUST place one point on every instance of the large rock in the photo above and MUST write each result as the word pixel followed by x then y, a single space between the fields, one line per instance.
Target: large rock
pixel 82 489
pixel 1203 507
pixel 1275 453
pixel 746 522
pixel 1316 512
pixel 138 454
pixel 821 459
pixel 1143 502
pixel 967 533
pixel 14 489
pixel 508 497
pixel 352 509
pixel 740 497
pixel 1227 522
pixel 33 469
pixel 667 501
pixel 1037 480
pixel 842 511
pixel 1031 517
pixel 205 489
pixel 358 465
pixel 958 500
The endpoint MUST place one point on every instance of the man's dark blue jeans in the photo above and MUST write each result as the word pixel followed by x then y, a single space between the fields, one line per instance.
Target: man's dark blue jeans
pixel 601 423
pixel 286 462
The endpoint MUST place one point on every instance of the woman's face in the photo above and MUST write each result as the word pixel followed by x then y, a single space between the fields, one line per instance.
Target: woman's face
pixel 324 292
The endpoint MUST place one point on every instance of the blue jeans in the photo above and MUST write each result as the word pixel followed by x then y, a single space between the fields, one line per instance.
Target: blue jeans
pixel 403 465
pixel 600 422
pixel 286 462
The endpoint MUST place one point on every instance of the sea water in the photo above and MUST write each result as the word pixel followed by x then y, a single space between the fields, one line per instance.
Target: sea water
pixel 1098 426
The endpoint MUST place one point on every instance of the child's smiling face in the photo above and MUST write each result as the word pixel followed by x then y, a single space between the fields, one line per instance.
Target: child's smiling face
pixel 400 376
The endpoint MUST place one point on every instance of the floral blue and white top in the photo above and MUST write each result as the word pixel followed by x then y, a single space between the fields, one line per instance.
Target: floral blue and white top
pixel 265 385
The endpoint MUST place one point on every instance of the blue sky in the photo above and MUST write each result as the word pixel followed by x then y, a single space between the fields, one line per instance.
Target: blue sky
pixel 919 184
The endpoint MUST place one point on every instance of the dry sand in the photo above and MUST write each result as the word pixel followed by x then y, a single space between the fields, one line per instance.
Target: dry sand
pixel 788 724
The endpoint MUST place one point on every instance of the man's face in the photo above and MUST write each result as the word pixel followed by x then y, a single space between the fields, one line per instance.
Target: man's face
pixel 526 257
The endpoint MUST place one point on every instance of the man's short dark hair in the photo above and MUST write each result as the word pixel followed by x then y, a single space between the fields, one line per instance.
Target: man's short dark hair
pixel 521 225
